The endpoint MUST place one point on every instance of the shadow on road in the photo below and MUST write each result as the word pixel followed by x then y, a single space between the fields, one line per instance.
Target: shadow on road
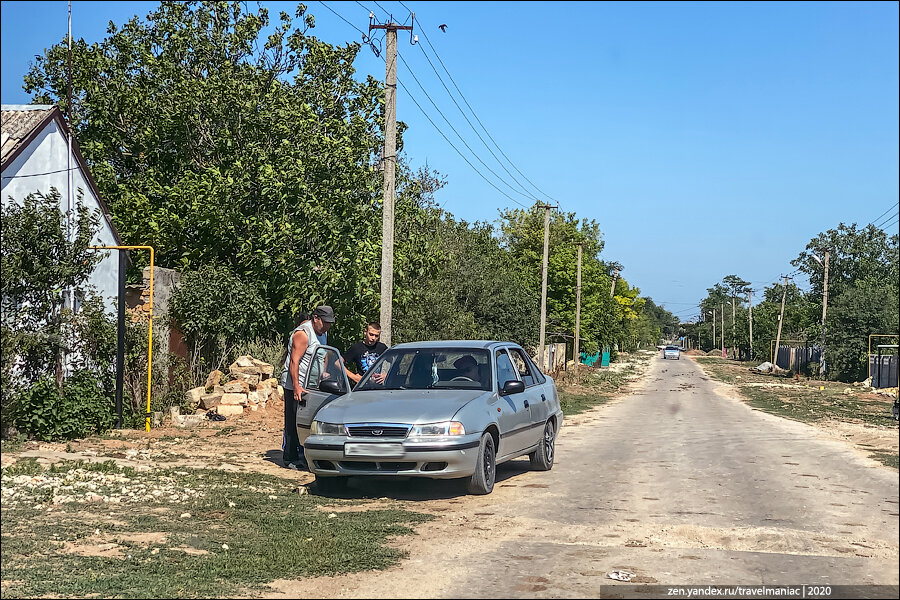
pixel 416 489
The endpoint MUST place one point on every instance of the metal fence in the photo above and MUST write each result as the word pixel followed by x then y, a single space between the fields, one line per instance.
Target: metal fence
pixel 884 370
pixel 799 359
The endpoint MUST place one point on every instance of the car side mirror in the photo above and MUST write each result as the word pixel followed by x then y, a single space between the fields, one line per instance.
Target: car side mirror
pixel 330 386
pixel 512 387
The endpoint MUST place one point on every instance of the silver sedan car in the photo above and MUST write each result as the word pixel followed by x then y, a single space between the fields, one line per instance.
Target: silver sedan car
pixel 444 410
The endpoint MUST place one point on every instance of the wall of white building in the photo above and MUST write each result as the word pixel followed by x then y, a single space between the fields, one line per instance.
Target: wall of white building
pixel 42 166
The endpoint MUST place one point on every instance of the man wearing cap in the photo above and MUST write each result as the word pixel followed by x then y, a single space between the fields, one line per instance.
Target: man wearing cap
pixel 302 345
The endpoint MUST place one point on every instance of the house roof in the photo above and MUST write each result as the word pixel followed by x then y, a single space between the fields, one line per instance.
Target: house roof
pixel 19 121
pixel 22 123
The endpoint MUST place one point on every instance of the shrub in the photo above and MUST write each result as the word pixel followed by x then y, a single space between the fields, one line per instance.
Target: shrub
pixel 81 409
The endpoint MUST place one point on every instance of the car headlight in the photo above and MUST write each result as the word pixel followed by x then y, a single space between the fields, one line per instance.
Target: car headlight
pixel 443 428
pixel 322 428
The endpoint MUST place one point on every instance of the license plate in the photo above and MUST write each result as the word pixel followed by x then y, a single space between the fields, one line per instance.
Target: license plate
pixel 385 450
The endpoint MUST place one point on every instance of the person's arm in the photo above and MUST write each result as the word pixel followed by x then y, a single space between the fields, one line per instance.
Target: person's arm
pixel 298 349
pixel 349 358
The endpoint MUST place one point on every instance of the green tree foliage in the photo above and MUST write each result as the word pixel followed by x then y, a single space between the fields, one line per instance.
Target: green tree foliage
pixel 42 337
pixel 863 284
pixel 218 313
pixel 217 145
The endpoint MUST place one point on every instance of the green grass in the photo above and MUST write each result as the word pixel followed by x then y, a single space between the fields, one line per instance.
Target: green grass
pixel 803 400
pixel 249 529
pixel 591 387
pixel 13 445
pixel 887 458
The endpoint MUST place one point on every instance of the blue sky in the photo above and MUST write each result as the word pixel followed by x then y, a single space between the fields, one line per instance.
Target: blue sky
pixel 705 138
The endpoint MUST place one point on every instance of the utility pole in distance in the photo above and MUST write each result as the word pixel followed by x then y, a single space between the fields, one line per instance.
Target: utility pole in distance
pixel 389 160
pixel 714 330
pixel 824 308
pixel 722 309
pixel 541 352
pixel 750 319
pixel 578 309
pixel 780 322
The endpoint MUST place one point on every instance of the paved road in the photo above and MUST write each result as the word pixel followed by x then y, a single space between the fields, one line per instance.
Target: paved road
pixel 675 483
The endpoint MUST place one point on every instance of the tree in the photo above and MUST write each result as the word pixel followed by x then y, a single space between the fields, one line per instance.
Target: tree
pixel 218 146
pixel 56 364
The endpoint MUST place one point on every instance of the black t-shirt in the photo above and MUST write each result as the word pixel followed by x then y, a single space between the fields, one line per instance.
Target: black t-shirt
pixel 363 356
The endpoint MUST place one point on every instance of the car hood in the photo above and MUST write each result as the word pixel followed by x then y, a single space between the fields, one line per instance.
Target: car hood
pixel 397 406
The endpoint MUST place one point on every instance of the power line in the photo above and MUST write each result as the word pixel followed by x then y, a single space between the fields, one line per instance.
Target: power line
pixel 437 55
pixel 892 207
pixel 475 154
pixel 887 219
pixel 463 113
pixel 474 168
pixel 419 106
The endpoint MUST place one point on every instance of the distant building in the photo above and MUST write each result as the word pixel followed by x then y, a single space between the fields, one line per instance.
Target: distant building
pixel 35 159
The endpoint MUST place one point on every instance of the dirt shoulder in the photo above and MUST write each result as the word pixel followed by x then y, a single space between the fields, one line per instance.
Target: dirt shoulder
pixel 859 416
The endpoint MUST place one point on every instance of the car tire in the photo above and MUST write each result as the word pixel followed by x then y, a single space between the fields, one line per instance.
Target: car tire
pixel 542 458
pixel 330 485
pixel 482 480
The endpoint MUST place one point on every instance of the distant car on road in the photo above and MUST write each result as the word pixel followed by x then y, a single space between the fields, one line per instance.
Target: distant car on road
pixel 443 410
pixel 672 352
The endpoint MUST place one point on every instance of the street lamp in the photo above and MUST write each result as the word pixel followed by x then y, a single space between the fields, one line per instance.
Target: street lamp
pixel 824 309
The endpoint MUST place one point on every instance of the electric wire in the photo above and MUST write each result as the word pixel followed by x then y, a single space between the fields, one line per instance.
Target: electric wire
pixel 890 208
pixel 886 219
pixel 430 120
pixel 474 168
pixel 488 133
pixel 893 222
pixel 465 143
pixel 463 113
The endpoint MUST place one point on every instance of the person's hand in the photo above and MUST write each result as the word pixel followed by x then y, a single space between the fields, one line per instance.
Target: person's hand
pixel 299 393
pixel 326 375
pixel 378 377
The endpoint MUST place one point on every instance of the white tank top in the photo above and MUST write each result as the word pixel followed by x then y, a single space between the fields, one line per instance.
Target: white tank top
pixel 315 341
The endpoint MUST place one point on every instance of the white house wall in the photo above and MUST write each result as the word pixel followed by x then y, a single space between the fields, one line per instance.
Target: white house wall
pixel 41 166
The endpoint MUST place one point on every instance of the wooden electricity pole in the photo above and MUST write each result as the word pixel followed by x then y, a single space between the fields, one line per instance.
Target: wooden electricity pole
pixel 575 355
pixel 780 323
pixel 389 161
pixel 750 319
pixel 824 308
pixel 714 331
pixel 541 351
pixel 612 290
pixel 722 310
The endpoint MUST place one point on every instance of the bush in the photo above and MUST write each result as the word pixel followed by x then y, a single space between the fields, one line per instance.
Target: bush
pixel 80 410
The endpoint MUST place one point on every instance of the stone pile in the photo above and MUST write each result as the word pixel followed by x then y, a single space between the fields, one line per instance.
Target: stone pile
pixel 249 384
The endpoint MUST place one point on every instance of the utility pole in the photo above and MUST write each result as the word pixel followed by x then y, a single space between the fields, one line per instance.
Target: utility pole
pixel 612 290
pixel 824 309
pixel 722 310
pixel 750 319
pixel 733 343
pixel 714 330
pixel 576 356
pixel 780 323
pixel 541 352
pixel 389 161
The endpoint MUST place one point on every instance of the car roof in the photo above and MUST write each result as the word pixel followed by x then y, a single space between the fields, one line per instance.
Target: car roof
pixel 480 344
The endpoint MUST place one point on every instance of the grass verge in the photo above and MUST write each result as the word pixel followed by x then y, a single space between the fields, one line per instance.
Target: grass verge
pixel 594 386
pixel 803 400
pixel 78 529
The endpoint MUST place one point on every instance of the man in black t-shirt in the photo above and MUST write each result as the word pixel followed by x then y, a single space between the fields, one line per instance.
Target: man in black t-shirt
pixel 364 354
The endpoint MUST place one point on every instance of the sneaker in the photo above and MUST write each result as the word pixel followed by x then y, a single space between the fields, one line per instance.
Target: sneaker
pixel 297 466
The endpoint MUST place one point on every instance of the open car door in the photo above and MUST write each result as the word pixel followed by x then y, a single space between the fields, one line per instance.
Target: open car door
pixel 325 381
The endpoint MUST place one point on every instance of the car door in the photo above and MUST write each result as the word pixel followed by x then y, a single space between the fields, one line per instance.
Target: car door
pixel 514 417
pixel 326 365
pixel 538 402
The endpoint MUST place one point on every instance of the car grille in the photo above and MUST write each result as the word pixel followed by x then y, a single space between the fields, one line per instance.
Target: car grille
pixel 378 431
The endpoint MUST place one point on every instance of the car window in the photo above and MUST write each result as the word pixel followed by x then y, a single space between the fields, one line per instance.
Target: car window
pixel 326 364
pixel 505 370
pixel 539 377
pixel 429 368
pixel 522 366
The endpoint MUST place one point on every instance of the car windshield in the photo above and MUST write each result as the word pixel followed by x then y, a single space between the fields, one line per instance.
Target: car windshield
pixel 671 348
pixel 429 368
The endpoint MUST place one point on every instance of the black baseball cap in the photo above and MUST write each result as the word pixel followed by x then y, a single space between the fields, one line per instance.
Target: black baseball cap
pixel 324 312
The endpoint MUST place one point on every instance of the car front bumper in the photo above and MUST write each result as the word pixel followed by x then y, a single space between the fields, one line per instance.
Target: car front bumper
pixel 436 459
